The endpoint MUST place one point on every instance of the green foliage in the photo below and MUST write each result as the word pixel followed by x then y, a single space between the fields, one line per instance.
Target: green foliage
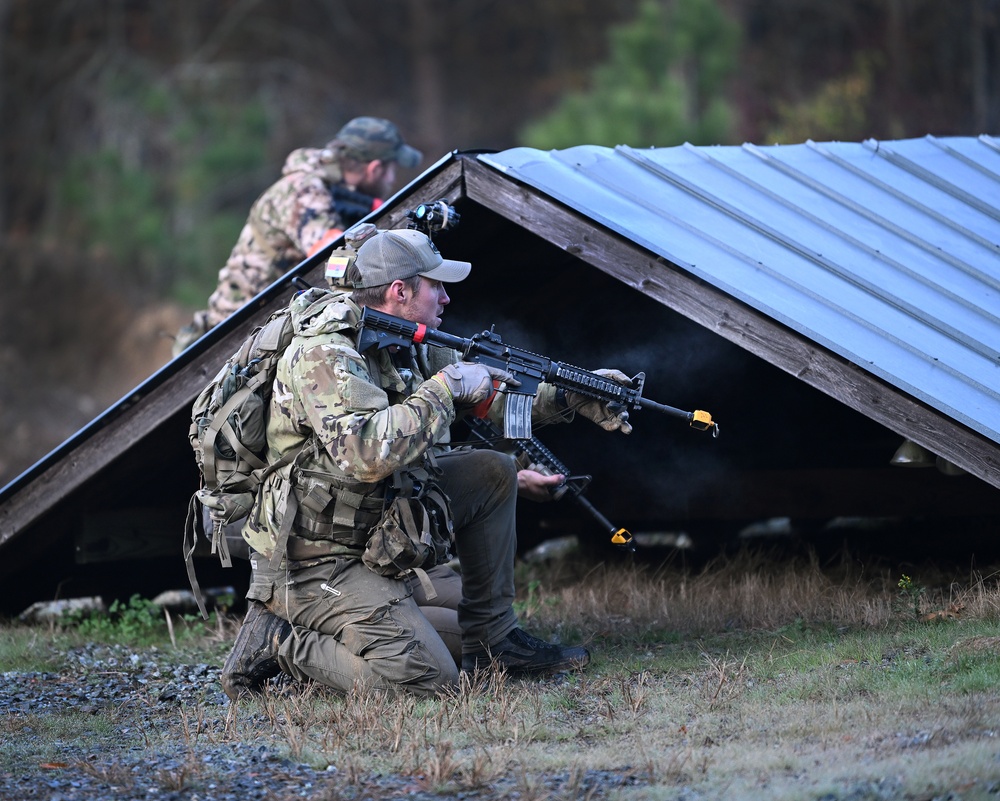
pixel 153 201
pixel 910 595
pixel 139 620
pixel 837 111
pixel 115 211
pixel 663 85
pixel 201 253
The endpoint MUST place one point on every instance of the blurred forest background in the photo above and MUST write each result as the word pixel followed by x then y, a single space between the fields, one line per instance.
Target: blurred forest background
pixel 136 134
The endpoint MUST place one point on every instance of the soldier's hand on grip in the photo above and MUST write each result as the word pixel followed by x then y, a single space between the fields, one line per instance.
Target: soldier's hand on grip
pixel 608 415
pixel 470 383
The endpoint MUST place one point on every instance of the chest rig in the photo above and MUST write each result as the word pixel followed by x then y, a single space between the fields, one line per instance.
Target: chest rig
pixel 397 525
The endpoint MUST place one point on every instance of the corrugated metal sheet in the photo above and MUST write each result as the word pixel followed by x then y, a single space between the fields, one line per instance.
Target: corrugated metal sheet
pixel 887 253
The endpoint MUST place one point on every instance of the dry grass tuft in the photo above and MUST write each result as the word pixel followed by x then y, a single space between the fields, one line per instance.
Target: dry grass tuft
pixel 975 646
pixel 751 677
pixel 749 591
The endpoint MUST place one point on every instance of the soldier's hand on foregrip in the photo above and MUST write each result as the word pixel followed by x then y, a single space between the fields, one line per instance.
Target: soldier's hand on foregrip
pixel 469 383
pixel 609 416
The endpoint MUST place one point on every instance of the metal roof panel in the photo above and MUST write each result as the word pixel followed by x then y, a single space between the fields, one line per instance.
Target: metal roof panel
pixel 887 253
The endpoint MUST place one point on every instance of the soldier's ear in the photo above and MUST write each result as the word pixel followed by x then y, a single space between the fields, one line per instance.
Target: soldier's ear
pixel 375 170
pixel 397 291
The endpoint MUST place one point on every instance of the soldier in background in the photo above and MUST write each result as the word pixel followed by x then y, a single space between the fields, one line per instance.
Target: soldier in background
pixel 322 192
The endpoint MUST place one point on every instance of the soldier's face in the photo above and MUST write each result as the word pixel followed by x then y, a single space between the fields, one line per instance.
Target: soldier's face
pixel 426 305
pixel 379 178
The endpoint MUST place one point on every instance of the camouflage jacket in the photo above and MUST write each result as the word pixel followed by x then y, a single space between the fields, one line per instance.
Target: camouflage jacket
pixel 285 222
pixel 351 421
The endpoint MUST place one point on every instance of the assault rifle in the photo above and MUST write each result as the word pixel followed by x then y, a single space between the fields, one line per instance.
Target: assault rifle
pixel 531 454
pixel 351 205
pixel 380 330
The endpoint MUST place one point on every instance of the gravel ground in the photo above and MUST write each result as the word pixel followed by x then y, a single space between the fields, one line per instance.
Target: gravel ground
pixel 137 693
pixel 119 724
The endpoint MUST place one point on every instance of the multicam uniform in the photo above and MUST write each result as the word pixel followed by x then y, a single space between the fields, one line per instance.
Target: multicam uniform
pixel 285 223
pixel 353 421
pixel 357 423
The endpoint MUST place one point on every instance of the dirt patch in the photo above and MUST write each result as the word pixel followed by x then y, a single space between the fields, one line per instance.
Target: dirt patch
pixel 73 343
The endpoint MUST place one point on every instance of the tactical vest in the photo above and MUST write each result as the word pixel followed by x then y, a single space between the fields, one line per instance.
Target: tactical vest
pixel 399 524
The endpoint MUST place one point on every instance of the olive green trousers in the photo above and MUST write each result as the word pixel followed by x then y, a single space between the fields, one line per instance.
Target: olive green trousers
pixel 353 627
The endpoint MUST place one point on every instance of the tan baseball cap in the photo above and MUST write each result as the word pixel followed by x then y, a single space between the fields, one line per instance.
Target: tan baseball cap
pixel 400 254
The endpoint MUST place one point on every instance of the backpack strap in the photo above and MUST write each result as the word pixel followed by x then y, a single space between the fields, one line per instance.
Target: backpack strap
pixel 425 581
pixel 289 501
pixel 191 528
pixel 291 505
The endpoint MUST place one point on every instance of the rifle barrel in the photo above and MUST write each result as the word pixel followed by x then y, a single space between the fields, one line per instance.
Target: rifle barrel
pixel 646 403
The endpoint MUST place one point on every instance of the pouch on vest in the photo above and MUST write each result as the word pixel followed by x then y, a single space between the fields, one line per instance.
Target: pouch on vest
pixel 415 530
pixel 398 543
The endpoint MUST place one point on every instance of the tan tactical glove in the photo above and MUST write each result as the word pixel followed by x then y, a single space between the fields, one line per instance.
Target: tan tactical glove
pixel 470 383
pixel 601 412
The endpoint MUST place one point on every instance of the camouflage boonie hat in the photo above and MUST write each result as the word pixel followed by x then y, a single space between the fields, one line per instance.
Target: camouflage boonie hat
pixel 371 138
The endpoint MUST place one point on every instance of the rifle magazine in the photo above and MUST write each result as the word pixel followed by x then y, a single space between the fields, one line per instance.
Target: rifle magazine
pixel 517 416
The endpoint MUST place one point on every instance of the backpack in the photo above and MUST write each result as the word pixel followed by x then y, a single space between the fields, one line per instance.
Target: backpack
pixel 228 434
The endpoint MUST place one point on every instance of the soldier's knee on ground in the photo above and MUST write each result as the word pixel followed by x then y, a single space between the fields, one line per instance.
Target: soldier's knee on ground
pixel 423 667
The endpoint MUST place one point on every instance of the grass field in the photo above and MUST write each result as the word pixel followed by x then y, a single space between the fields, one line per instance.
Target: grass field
pixel 752 677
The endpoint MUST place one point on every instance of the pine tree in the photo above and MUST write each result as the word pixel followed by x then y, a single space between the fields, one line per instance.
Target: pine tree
pixel 663 84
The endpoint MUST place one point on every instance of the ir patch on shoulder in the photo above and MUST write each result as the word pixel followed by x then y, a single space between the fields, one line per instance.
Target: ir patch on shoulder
pixel 336 268
pixel 356 369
